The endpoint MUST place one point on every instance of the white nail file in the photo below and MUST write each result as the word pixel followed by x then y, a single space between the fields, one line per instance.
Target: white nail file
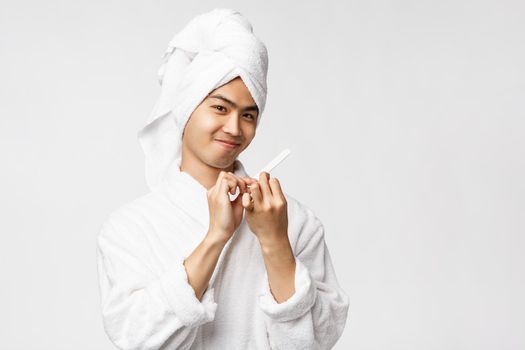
pixel 269 167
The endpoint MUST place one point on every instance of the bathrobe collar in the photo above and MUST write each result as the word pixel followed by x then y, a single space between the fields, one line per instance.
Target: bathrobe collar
pixel 185 192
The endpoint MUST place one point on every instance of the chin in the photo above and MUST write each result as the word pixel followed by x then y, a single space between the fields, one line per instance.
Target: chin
pixel 220 160
pixel 221 163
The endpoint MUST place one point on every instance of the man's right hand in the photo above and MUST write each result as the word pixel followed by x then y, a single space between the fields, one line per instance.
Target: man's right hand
pixel 225 215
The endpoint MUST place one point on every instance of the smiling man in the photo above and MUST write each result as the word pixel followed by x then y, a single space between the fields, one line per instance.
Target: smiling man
pixel 219 129
pixel 185 266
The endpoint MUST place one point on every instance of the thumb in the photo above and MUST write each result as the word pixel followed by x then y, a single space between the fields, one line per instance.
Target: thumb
pixel 247 202
pixel 237 206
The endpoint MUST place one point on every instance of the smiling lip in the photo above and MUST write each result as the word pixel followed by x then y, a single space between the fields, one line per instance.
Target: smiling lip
pixel 227 145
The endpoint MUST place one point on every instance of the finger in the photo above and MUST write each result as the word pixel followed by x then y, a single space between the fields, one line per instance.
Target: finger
pixel 236 184
pixel 234 180
pixel 247 201
pixel 249 180
pixel 237 203
pixel 224 187
pixel 215 188
pixel 228 185
pixel 265 187
pixel 240 181
pixel 255 191
pixel 276 188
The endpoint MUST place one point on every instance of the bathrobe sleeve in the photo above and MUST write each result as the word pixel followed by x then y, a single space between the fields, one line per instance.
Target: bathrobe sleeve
pixel 142 310
pixel 315 315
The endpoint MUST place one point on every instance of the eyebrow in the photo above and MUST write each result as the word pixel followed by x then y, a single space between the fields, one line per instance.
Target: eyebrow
pixel 234 105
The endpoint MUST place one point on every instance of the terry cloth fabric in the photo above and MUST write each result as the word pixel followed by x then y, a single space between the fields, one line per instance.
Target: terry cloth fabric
pixel 147 302
pixel 211 50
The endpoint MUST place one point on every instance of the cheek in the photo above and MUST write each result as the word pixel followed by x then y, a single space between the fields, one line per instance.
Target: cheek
pixel 249 132
pixel 202 127
pixel 210 124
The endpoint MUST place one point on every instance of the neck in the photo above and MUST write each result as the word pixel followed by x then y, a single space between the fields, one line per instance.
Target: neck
pixel 206 175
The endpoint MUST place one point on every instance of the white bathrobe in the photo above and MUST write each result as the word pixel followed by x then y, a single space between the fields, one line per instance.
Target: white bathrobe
pixel 147 302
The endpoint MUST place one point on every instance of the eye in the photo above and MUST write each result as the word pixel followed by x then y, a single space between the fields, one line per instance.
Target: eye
pixel 250 116
pixel 218 107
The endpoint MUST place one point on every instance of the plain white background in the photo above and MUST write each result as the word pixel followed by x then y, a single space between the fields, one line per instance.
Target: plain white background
pixel 406 125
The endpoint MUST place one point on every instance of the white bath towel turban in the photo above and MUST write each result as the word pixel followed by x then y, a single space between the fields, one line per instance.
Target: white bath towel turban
pixel 211 50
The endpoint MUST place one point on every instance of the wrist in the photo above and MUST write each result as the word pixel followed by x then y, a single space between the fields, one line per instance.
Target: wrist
pixel 213 239
pixel 275 246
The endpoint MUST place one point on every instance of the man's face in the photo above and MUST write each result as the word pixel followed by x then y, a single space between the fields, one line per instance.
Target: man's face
pixel 228 113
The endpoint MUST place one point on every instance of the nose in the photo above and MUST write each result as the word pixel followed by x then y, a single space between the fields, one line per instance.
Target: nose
pixel 232 125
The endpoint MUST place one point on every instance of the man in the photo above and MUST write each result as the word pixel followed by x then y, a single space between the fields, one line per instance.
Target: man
pixel 184 267
pixel 228 115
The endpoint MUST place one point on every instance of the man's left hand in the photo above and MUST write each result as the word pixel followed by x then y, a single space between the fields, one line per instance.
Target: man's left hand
pixel 266 210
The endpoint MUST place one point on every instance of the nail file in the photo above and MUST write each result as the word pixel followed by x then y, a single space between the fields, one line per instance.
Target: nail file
pixel 269 167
